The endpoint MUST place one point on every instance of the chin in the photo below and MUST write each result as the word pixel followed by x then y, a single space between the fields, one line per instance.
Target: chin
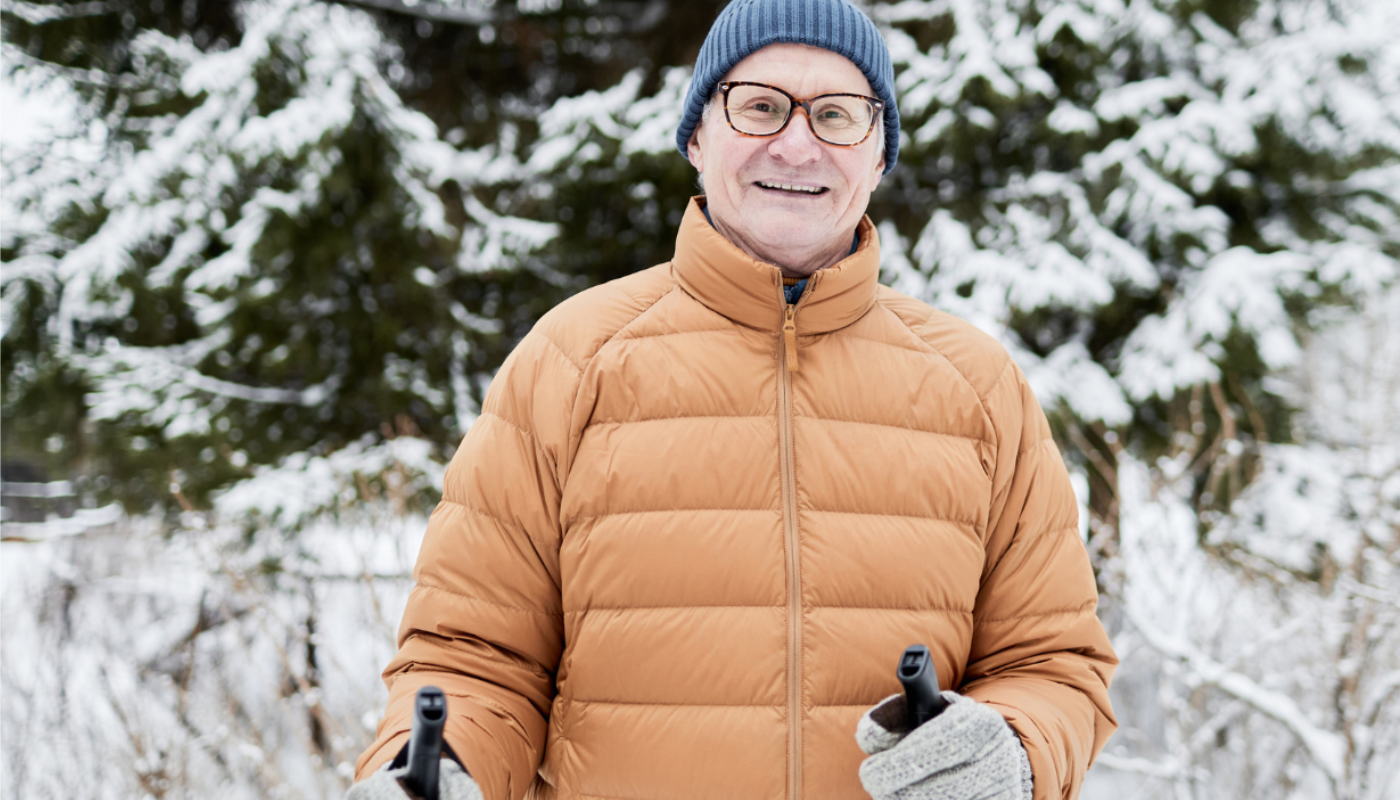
pixel 788 240
pixel 794 223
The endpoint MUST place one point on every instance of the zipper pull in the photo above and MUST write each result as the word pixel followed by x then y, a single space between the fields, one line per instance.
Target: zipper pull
pixel 790 337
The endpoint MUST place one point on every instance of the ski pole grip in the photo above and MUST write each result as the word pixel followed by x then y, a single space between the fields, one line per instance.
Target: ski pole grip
pixel 920 678
pixel 425 743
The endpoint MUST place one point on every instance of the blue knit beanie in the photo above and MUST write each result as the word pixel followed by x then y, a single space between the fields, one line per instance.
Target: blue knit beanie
pixel 746 26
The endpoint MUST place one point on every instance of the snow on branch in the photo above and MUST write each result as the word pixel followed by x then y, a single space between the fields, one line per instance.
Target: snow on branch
pixel 92 77
pixel 1238 289
pixel 477 14
pixel 451 14
pixel 305 486
pixel 160 384
pixel 312 396
pixel 1327 749
pixel 1379 697
pixel 36 14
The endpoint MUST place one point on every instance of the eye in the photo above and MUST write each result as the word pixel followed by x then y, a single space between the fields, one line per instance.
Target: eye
pixel 835 113
pixel 761 105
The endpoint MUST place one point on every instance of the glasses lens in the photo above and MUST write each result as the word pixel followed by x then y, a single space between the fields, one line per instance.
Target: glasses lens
pixel 757 110
pixel 841 120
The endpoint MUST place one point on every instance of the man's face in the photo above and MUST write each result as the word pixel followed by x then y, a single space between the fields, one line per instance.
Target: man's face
pixel 800 231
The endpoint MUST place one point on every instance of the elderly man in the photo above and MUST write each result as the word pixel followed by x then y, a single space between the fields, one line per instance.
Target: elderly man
pixel 707 506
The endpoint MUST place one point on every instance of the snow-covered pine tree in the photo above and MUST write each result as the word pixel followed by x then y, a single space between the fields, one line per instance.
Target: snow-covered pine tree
pixel 1144 196
pixel 75 54
pixel 263 253
pixel 543 74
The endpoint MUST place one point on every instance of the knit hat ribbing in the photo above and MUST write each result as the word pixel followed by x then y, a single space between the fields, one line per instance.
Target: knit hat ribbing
pixel 746 26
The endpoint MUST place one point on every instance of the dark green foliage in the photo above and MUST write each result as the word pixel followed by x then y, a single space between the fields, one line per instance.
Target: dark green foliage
pixel 399 327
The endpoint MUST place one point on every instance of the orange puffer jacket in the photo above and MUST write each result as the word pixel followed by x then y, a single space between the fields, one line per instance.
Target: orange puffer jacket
pixel 681 550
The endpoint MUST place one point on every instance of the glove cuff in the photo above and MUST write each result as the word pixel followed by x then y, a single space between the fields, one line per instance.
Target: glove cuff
pixel 1027 777
pixel 401 760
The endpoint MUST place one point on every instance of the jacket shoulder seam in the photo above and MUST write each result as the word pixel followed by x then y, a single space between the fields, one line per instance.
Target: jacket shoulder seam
pixel 640 313
pixel 981 396
pixel 927 348
pixel 523 431
pixel 643 307
pixel 561 352
pixel 1005 368
pixel 578 390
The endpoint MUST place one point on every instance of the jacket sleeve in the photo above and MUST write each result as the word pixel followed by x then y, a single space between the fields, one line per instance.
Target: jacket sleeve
pixel 1039 653
pixel 484 621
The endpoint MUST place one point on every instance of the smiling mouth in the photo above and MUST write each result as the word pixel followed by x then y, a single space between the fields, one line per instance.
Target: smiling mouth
pixel 789 188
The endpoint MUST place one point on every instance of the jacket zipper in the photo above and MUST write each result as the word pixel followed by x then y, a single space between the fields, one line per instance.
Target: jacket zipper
pixel 790 337
pixel 789 365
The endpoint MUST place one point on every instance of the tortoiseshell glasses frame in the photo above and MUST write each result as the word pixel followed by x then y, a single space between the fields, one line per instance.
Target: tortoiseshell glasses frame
pixel 843 105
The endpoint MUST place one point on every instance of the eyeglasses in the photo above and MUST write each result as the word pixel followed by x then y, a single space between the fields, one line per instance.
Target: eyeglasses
pixel 756 109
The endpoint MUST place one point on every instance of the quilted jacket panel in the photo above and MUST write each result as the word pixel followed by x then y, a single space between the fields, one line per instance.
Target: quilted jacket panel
pixel 628 594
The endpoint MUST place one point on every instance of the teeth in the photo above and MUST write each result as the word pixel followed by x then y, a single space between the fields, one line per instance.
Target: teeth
pixel 790 188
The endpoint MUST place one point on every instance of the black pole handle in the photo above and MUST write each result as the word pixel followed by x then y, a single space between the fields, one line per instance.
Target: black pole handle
pixel 425 744
pixel 920 678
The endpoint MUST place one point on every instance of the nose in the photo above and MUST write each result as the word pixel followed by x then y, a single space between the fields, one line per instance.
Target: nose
pixel 796 144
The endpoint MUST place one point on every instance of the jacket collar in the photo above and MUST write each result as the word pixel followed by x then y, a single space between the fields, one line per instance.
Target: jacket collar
pixel 715 272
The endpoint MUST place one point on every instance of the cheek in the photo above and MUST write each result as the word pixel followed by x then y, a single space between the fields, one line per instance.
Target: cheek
pixel 861 176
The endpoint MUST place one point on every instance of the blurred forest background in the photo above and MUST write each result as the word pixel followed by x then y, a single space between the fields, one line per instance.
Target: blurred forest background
pixel 261 260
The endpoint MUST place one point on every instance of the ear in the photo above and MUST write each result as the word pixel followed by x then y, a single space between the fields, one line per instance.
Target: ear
pixel 693 151
pixel 879 172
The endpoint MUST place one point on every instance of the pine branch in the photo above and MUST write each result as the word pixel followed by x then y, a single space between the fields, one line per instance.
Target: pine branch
pixel 91 77
pixel 36 14
pixel 311 396
pixel 1378 698
pixel 432 10
pixel 650 14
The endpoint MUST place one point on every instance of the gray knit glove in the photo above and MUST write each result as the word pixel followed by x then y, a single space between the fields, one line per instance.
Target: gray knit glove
pixel 453 784
pixel 966 753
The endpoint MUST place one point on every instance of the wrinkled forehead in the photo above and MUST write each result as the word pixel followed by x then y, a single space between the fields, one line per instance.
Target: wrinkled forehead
pixel 802 70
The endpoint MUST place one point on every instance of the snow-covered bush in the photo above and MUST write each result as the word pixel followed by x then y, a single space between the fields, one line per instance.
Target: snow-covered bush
pixel 139 664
